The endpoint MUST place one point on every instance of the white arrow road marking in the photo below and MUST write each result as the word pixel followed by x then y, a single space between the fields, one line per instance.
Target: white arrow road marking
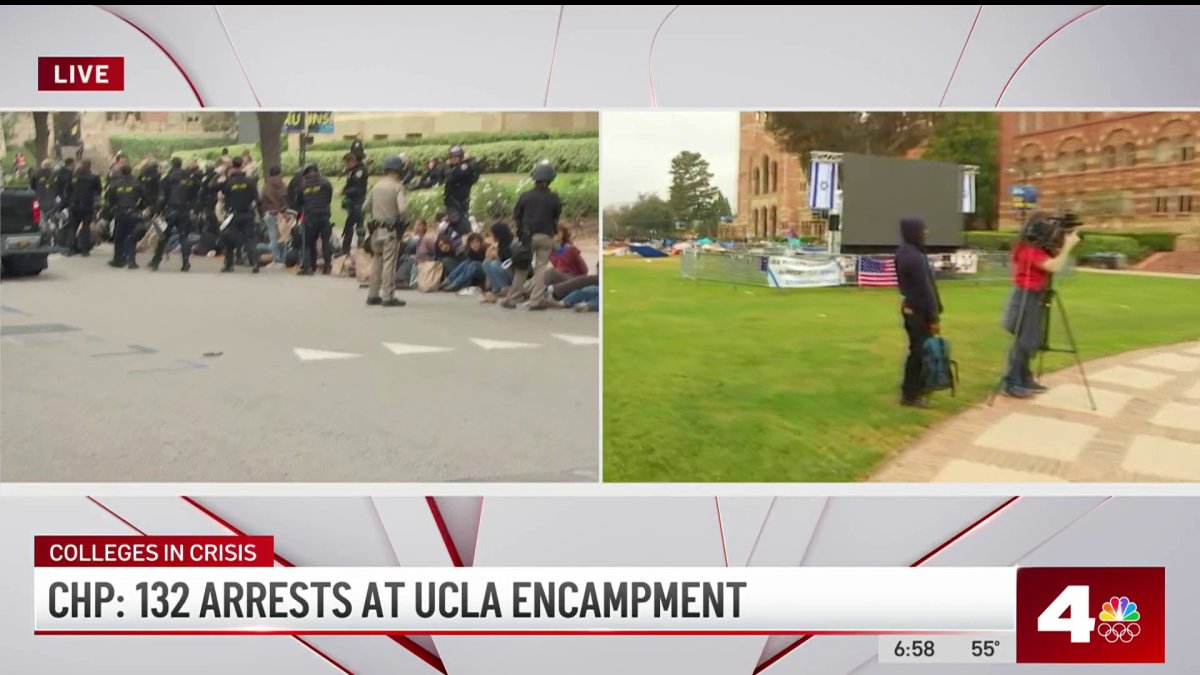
pixel 401 349
pixel 500 344
pixel 319 355
pixel 577 339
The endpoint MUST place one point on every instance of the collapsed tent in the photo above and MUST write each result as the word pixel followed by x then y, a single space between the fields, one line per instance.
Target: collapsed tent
pixel 646 251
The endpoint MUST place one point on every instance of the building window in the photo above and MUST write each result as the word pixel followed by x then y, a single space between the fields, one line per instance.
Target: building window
pixel 766 174
pixel 1185 202
pixel 1164 150
pixel 1023 123
pixel 774 176
pixel 1187 149
pixel 1071 156
pixel 1108 157
pixel 754 182
pixel 774 221
pixel 349 137
pixel 1127 155
pixel 379 137
pixel 754 219
pixel 413 135
pixel 1162 201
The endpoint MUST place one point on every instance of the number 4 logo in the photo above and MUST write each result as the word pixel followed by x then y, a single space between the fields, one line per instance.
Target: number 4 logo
pixel 1073 603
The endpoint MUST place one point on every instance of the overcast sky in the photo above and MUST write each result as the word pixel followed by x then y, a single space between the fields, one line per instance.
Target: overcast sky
pixel 636 150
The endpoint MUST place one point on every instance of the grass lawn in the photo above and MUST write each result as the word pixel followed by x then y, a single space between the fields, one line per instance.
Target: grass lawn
pixel 713 382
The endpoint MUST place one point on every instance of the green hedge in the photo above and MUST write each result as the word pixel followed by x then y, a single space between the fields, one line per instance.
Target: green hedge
pixel 572 155
pixel 1135 245
pixel 466 138
pixel 493 200
pixel 161 146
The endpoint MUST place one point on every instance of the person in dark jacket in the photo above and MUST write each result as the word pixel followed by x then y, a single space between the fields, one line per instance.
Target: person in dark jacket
pixel 123 202
pixel 461 176
pixel 354 192
pixel 150 178
pixel 316 202
pixel 499 277
pixel 177 200
pixel 62 182
pixel 42 182
pixel 920 307
pixel 241 203
pixel 85 190
pixel 356 149
pixel 536 214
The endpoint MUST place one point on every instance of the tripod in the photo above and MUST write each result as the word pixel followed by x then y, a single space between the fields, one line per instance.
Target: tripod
pixel 1050 298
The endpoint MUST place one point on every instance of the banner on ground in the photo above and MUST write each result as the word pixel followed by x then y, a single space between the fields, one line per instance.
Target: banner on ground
pixel 802 272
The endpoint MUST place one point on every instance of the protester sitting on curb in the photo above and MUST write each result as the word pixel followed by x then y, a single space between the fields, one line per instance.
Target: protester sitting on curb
pixel 469 271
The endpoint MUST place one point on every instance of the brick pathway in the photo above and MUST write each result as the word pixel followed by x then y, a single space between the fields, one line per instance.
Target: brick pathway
pixel 1146 428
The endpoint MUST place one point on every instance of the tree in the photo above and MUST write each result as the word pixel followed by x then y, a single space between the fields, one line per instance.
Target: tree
pixel 875 133
pixel 648 215
pixel 270 129
pixel 721 208
pixel 693 197
pixel 41 135
pixel 970 138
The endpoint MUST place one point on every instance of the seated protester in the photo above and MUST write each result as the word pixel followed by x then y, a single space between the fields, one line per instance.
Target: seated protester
pixel 565 260
pixel 406 265
pixel 586 299
pixel 447 253
pixel 469 271
pixel 561 290
pixel 499 277
pixel 428 268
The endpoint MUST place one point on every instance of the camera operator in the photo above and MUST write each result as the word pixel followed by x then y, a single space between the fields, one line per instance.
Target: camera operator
pixel 1043 250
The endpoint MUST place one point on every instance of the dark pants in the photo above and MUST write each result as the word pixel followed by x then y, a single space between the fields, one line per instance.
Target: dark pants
pixel 354 224
pixel 317 226
pixel 1023 319
pixel 125 226
pixel 240 235
pixel 564 288
pixel 914 376
pixel 79 230
pixel 459 219
pixel 179 222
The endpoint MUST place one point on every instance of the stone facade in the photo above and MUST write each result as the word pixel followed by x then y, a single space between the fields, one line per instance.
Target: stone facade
pixel 772 191
pixel 1117 169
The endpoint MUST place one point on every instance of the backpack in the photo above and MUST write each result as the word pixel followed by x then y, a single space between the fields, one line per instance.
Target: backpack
pixel 940 371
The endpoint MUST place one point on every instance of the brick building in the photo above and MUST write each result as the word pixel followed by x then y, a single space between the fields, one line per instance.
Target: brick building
pixel 772 193
pixel 1117 169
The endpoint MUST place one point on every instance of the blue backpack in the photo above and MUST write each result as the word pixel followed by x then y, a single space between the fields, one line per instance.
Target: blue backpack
pixel 941 371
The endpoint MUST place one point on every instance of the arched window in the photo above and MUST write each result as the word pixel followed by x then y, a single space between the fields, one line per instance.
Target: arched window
pixel 754 182
pixel 1071 156
pixel 766 174
pixel 1187 148
pixel 762 216
pixel 1127 156
pixel 774 221
pixel 774 176
pixel 754 218
pixel 1108 157
pixel 1029 160
pixel 1164 150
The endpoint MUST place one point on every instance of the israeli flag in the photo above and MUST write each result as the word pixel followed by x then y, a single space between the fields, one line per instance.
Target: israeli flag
pixel 822 185
pixel 968 192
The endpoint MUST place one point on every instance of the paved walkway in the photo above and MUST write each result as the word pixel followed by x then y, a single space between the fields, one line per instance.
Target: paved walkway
pixel 1146 428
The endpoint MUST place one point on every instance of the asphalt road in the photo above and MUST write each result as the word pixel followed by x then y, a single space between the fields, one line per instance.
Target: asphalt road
pixel 128 375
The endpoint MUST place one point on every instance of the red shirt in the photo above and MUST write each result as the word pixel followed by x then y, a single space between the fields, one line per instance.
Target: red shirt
pixel 567 259
pixel 1027 269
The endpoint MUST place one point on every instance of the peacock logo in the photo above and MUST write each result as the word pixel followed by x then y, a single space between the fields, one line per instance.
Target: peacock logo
pixel 1119 620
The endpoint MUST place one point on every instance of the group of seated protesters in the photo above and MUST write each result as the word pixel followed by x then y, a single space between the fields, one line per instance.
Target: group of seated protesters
pixel 437 259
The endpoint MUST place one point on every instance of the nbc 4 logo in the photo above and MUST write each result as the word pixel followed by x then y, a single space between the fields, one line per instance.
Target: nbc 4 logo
pixel 1118 620
pixel 1068 613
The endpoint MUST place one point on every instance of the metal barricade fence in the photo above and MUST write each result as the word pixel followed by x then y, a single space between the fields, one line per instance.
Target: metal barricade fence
pixel 746 266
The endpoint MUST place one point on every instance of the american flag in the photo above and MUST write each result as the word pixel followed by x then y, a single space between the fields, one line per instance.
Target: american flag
pixel 877 271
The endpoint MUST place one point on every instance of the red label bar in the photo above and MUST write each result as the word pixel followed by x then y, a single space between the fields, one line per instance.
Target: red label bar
pixel 152 551
pixel 1091 615
pixel 81 73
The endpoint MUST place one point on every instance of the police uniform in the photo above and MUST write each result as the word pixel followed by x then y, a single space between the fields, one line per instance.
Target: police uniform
pixel 386 206
pixel 353 194
pixel 457 196
pixel 85 188
pixel 62 185
pixel 241 199
pixel 317 198
pixel 42 182
pixel 123 201
pixel 150 178
pixel 180 189
pixel 536 214
pixel 206 201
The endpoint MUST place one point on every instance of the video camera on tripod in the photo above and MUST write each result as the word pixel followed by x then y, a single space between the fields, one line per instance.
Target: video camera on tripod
pixel 1048 232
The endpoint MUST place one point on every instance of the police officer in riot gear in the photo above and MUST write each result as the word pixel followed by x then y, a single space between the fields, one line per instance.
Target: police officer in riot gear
pixel 150 178
pixel 123 202
pixel 178 199
pixel 536 215
pixel 85 189
pixel 62 182
pixel 353 194
pixel 241 203
pixel 316 200
pixel 461 176
pixel 206 200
